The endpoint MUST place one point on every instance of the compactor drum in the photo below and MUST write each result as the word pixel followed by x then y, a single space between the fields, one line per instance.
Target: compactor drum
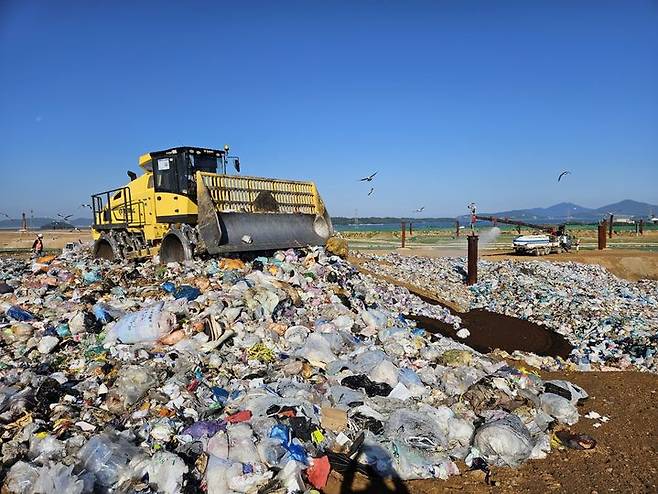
pixel 181 207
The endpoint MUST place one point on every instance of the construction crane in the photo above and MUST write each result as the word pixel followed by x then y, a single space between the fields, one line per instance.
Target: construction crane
pixel 181 207
pixel 555 240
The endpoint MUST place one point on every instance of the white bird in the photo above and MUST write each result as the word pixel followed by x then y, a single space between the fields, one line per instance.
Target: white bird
pixel 420 210
pixel 368 178
pixel 85 206
pixel 372 189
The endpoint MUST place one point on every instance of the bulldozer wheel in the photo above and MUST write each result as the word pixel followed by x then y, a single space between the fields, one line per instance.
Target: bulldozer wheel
pixel 106 248
pixel 175 247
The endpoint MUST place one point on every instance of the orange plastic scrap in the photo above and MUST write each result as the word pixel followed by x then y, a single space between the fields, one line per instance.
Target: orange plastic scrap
pixel 45 259
pixel 236 418
pixel 226 263
pixel 318 472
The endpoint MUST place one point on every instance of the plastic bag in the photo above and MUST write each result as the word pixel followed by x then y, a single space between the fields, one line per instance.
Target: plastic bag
pixel 106 313
pixel 131 384
pixel 57 478
pixel 385 372
pixel 146 325
pixel 566 389
pixel 106 456
pixel 317 350
pixel 166 471
pixel 415 429
pixel 560 408
pixel 504 442
pixel 242 447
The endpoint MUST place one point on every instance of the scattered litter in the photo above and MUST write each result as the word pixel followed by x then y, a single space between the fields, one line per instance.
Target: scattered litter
pixel 246 375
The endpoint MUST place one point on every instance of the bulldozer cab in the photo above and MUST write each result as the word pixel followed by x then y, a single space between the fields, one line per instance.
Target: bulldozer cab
pixel 174 170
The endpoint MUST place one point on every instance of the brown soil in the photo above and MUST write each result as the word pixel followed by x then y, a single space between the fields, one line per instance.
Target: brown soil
pixel 624 460
pixel 490 331
pixel 52 239
pixel 628 264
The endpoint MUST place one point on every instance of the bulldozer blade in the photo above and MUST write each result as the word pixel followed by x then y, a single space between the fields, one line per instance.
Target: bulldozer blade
pixel 225 232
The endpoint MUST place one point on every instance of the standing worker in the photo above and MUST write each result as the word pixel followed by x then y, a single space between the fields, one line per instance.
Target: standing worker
pixel 37 246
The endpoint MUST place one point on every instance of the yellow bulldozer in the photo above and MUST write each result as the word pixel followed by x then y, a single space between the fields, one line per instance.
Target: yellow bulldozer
pixel 185 204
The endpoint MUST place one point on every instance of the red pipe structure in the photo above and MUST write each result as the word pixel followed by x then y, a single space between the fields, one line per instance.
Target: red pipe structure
pixel 472 276
pixel 603 226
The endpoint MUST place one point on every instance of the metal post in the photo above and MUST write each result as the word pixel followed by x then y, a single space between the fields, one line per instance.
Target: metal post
pixel 404 233
pixel 641 227
pixel 24 223
pixel 637 228
pixel 518 229
pixel 410 230
pixel 472 276
pixel 610 226
pixel 456 228
pixel 603 226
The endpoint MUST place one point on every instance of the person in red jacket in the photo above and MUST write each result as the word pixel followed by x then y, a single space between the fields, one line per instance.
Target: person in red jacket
pixel 37 246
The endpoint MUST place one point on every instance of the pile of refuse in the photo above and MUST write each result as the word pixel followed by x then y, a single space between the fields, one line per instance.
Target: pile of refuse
pixel 231 376
pixel 611 322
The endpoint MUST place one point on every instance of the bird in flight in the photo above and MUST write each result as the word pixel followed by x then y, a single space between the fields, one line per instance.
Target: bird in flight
pixel 565 172
pixel 420 210
pixel 85 206
pixel 368 179
pixel 372 189
pixel 65 218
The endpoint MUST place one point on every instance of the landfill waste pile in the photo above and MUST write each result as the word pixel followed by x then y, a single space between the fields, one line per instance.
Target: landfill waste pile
pixel 612 323
pixel 226 376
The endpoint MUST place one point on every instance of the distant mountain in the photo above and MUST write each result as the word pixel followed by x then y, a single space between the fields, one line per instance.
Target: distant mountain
pixel 567 211
pixel 561 210
pixel 629 208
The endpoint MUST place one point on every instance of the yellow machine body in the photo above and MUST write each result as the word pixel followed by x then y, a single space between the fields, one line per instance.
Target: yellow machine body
pixel 181 206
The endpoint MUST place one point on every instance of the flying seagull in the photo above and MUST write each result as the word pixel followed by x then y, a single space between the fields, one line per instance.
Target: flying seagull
pixel 85 206
pixel 65 218
pixel 5 215
pixel 420 210
pixel 565 172
pixel 372 189
pixel 368 179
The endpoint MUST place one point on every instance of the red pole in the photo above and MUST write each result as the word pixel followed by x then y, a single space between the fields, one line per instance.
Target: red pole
pixel 603 226
pixel 404 233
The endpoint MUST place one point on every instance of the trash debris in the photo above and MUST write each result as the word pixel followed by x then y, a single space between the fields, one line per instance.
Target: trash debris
pixel 242 375
pixel 572 440
pixel 610 321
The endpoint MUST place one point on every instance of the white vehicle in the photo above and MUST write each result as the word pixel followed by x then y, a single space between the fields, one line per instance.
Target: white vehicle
pixel 540 245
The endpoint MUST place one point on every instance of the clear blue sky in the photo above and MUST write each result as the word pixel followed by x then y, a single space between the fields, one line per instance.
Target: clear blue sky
pixel 451 102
